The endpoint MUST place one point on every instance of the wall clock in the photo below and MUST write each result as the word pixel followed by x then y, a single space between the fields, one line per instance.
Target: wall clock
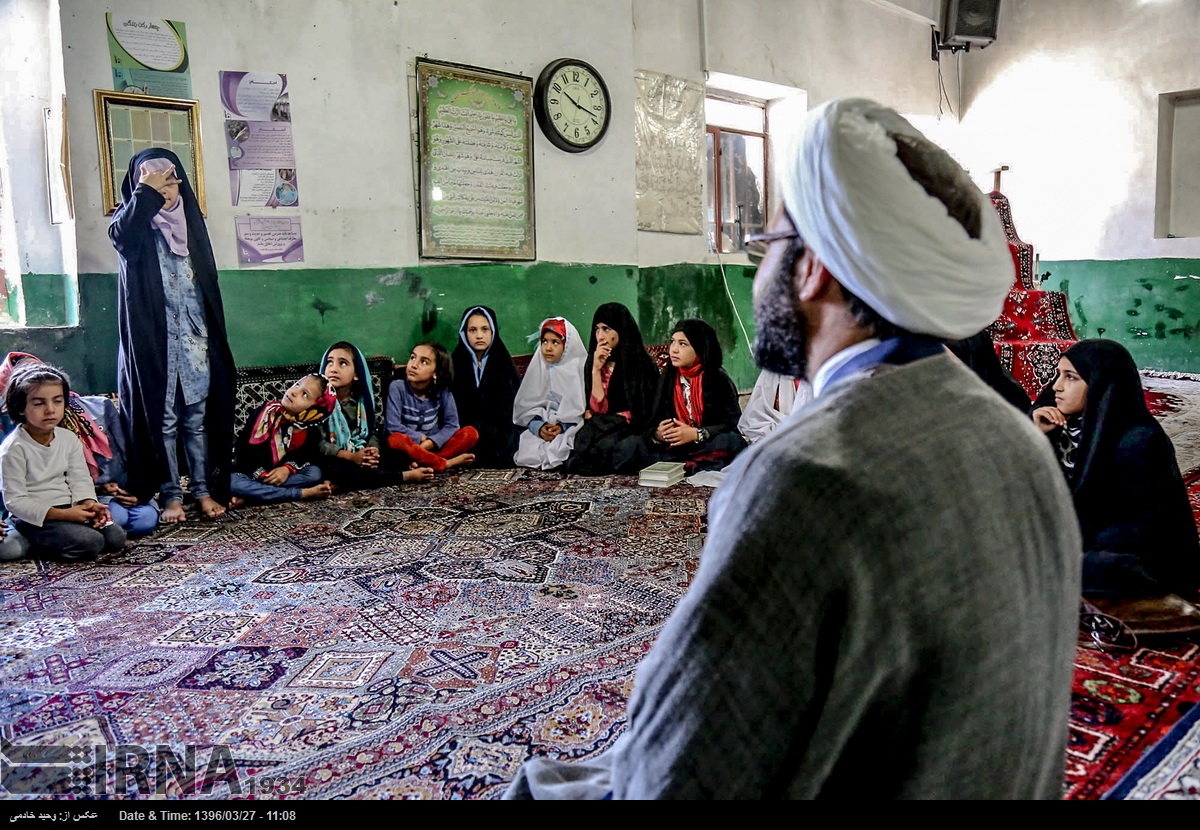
pixel 572 105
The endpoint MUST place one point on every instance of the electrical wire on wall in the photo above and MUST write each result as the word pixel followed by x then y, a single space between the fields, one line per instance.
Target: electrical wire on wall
pixel 958 74
pixel 942 93
pixel 733 305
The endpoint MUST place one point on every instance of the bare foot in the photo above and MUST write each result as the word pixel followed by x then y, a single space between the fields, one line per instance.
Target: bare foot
pixel 418 473
pixel 209 507
pixel 173 514
pixel 318 491
pixel 460 460
pixel 236 502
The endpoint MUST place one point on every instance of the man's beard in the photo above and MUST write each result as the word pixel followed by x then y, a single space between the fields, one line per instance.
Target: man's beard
pixel 780 345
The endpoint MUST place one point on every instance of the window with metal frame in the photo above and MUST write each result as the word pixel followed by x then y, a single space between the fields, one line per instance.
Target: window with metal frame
pixel 737 170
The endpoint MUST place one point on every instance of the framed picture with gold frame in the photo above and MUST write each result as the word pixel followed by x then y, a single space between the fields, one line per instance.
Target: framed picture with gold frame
pixel 127 123
pixel 476 163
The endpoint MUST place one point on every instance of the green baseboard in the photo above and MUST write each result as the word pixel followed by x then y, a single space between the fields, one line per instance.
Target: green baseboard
pixel 275 317
pixel 50 300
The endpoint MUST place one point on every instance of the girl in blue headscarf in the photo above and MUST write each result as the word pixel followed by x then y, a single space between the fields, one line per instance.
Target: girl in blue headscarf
pixel 350 454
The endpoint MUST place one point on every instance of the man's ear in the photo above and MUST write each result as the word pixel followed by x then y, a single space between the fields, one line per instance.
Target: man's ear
pixel 810 278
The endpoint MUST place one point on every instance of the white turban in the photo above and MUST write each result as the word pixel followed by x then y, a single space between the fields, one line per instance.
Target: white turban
pixel 881 235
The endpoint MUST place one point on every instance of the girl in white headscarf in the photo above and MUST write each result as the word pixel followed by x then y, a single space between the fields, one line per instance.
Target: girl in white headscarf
pixel 550 403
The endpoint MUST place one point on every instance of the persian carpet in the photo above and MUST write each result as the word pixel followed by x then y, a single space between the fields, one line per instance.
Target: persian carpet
pixel 412 642
pixel 417 641
pixel 1123 704
pixel 1171 770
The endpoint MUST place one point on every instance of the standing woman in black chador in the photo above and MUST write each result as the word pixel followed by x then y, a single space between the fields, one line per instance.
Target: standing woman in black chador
pixel 175 372
pixel 620 379
pixel 1139 535
pixel 695 415
pixel 485 386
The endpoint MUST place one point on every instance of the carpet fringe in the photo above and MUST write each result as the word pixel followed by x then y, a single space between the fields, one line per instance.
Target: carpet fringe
pixel 1152 373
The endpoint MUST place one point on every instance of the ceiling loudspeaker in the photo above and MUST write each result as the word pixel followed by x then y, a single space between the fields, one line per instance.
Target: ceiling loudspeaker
pixel 970 21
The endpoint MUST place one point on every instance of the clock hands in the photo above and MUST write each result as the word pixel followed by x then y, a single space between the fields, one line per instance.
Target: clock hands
pixel 568 105
pixel 585 110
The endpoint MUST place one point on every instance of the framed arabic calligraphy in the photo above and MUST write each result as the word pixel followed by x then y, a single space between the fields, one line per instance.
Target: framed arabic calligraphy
pixel 476 163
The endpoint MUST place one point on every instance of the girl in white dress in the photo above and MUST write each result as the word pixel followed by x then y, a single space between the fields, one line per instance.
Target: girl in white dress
pixel 550 403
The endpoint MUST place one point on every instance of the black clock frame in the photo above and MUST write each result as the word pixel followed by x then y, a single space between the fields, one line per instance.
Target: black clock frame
pixel 543 115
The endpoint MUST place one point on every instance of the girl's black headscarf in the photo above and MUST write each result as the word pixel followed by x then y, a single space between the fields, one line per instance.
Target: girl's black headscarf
pixel 635 374
pixel 463 356
pixel 142 333
pixel 1128 491
pixel 719 393
pixel 1116 402
pixel 703 338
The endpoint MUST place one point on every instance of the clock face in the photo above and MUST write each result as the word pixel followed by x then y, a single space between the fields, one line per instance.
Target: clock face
pixel 572 105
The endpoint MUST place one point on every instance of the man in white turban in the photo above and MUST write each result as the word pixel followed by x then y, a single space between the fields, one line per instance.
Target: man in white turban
pixel 887 603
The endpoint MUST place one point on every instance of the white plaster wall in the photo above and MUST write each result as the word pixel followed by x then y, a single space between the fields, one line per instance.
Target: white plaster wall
pixel 1068 96
pixel 829 48
pixel 666 38
pixel 32 78
pixel 927 11
pixel 346 67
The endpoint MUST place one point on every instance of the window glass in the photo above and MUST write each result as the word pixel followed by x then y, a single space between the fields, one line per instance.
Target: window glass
pixel 737 173
pixel 747 116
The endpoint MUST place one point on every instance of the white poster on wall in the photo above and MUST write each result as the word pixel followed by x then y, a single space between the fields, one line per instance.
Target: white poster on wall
pixel 264 239
pixel 149 55
pixel 670 153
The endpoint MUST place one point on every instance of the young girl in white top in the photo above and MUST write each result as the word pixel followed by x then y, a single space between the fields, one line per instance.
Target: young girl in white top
pixel 43 474
pixel 550 403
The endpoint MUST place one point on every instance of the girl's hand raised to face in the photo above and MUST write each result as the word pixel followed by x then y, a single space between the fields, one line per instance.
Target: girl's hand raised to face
pixel 158 179
pixel 1047 418
pixel 603 352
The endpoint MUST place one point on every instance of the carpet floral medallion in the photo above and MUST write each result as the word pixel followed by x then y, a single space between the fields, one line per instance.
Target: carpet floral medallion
pixel 419 642
pixel 410 642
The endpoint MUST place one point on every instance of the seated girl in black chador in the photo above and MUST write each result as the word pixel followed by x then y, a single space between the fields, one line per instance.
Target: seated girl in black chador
pixel 696 412
pixel 620 380
pixel 485 386
pixel 1139 535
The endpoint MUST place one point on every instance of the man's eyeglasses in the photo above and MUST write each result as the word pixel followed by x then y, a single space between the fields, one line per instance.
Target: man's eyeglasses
pixel 756 244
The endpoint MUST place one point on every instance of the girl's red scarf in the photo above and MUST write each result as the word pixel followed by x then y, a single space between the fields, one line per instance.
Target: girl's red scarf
pixel 286 432
pixel 695 376
pixel 95 442
pixel 276 426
